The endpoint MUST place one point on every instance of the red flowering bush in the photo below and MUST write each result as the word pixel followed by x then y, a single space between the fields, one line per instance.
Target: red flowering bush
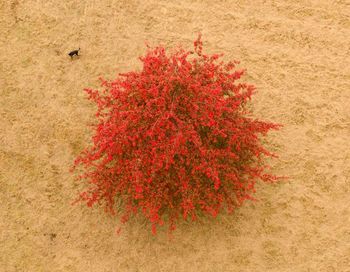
pixel 174 140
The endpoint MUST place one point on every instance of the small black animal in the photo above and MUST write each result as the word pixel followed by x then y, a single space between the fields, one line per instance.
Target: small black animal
pixel 74 53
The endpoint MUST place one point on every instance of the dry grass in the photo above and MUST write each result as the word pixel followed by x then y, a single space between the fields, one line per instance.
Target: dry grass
pixel 297 54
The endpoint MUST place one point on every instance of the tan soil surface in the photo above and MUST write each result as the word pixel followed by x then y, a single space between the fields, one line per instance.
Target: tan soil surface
pixel 296 53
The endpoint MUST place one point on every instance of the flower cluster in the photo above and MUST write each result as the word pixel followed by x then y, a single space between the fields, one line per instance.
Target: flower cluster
pixel 174 139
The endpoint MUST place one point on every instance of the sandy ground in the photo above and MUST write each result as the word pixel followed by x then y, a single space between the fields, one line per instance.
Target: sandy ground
pixel 297 54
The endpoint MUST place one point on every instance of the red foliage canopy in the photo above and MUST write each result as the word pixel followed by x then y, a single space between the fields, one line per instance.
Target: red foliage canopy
pixel 174 139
